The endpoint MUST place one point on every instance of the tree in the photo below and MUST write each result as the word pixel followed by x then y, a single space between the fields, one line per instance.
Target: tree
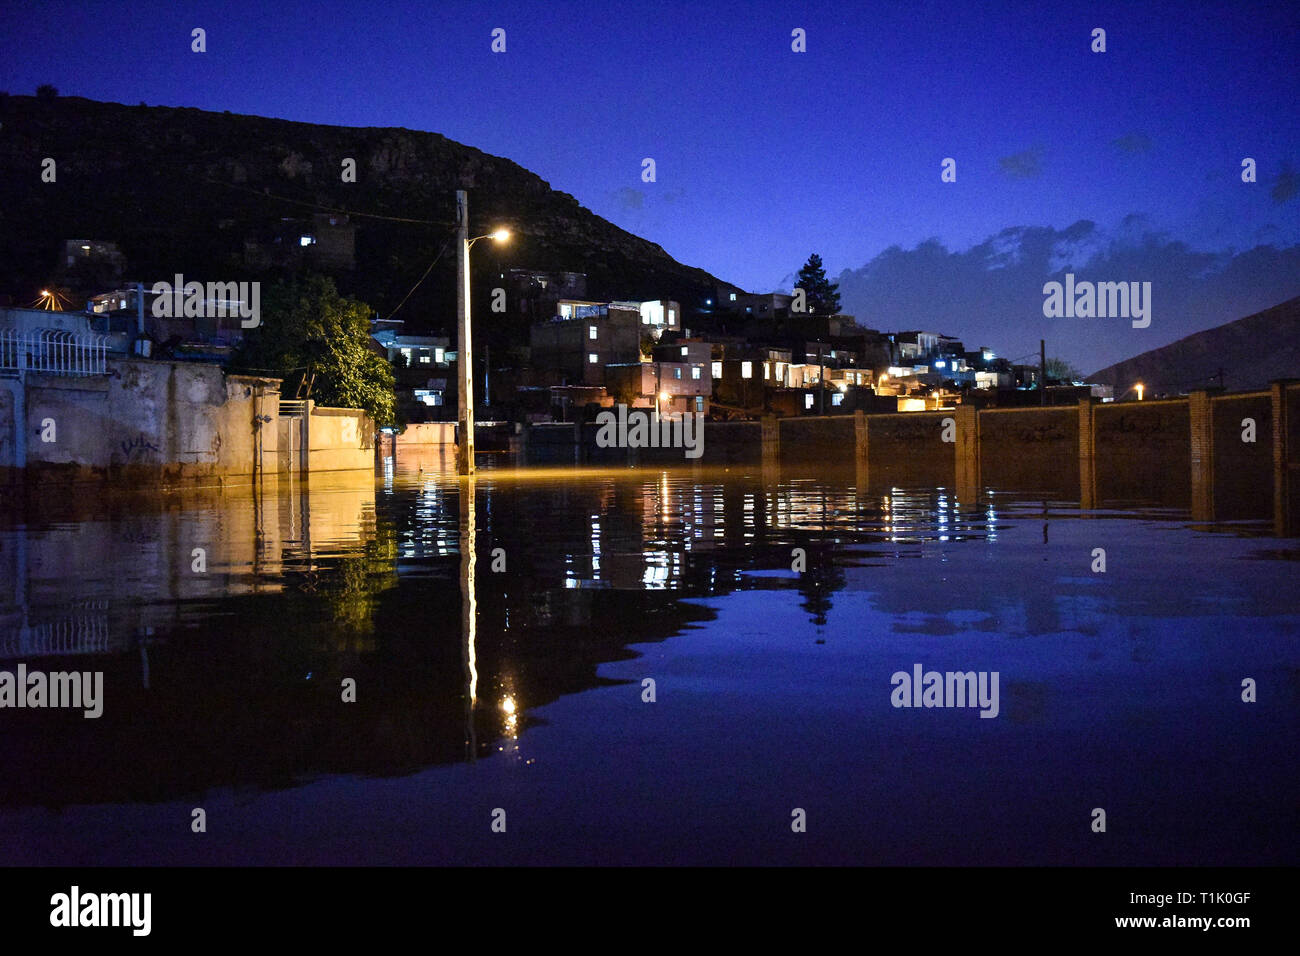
pixel 307 327
pixel 1059 370
pixel 46 92
pixel 822 296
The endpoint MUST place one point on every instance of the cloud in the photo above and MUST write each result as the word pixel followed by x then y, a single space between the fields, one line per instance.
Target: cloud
pixel 992 293
pixel 1287 185
pixel 1133 143
pixel 629 199
pixel 1024 165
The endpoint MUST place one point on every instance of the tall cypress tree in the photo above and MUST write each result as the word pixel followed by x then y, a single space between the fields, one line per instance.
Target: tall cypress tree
pixel 823 297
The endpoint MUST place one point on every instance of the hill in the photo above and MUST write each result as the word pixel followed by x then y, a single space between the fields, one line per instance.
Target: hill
pixel 1251 352
pixel 183 190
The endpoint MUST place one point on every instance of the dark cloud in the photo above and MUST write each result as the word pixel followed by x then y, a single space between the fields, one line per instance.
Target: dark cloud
pixel 1024 165
pixel 1133 143
pixel 992 294
pixel 1287 185
pixel 629 199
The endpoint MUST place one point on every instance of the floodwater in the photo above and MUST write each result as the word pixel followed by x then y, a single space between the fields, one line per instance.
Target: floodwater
pixel 493 639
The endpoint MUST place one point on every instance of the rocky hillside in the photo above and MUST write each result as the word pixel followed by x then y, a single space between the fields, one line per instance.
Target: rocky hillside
pixel 1251 352
pixel 182 190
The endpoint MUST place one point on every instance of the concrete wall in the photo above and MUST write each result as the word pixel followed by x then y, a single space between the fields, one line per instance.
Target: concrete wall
pixel 340 439
pixel 819 438
pixel 1030 447
pixel 149 420
pixel 428 433
pixel 1143 451
pixel 1243 471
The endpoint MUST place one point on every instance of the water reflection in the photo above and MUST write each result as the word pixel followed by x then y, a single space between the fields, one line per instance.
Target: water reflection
pixel 458 606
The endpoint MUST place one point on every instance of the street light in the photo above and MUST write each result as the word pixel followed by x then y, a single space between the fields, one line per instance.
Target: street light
pixel 465 358
pixel 1140 388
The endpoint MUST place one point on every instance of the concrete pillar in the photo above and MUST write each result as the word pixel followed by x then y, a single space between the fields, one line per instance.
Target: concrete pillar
pixel 967 453
pixel 1200 409
pixel 1087 453
pixel 1286 471
pixel 771 432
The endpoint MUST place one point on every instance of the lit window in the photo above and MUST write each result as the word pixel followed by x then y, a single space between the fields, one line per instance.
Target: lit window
pixel 684 351
pixel 767 371
pixel 699 403
pixel 780 370
pixel 406 354
pixel 836 398
pixel 591 357
pixel 807 401
pixel 733 297
pixel 672 316
pixel 439 356
pixel 717 370
pixel 677 373
pixel 746 369
pixel 591 332
pixel 306 240
pixel 424 356
pixel 695 372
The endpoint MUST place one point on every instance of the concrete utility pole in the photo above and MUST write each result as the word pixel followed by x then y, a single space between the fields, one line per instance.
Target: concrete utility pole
pixel 1042 372
pixel 464 347
pixel 821 381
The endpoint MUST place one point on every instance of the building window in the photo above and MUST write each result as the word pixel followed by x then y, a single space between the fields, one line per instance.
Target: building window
pixel 424 356
pixel 717 370
pixel 677 373
pixel 439 355
pixel 306 240
pixel 767 371
pixel 746 369
pixel 591 332
pixel 733 297
pixel 807 401
pixel 695 372
pixel 699 403
pixel 684 351
pixel 672 316
pixel 591 357
pixel 780 370
pixel 406 354
pixel 837 398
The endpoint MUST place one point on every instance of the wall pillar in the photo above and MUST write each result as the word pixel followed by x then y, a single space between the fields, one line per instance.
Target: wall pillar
pixel 1286 471
pixel 1200 408
pixel 967 453
pixel 771 432
pixel 1087 453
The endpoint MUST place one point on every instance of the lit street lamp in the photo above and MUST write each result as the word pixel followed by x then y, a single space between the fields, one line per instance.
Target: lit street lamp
pixel 465 349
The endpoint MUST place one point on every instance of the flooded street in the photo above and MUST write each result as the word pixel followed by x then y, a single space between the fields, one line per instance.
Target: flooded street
pixel 366 671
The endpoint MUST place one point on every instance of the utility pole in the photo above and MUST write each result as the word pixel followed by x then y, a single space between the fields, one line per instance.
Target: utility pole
pixel 821 381
pixel 465 356
pixel 1042 372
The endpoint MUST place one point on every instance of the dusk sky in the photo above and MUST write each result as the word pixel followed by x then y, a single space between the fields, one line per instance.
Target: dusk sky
pixel 764 155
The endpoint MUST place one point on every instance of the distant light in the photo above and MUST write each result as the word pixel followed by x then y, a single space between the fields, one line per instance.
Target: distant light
pixel 708 302
pixel 939 365
pixel 664 396
pixel 87 248
pixel 1140 388
pixel 501 235
pixel 508 705
pixel 884 376
pixel 45 292
pixel 988 356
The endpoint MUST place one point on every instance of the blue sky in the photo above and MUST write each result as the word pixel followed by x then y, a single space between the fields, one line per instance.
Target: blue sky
pixel 764 155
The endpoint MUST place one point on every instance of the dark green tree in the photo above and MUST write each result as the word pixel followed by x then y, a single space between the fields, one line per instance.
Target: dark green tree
pixel 306 328
pixel 822 295
pixel 1059 370
pixel 46 92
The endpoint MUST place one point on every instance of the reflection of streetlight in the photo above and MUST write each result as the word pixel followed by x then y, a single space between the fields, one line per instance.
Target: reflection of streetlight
pixel 465 356
pixel 1140 388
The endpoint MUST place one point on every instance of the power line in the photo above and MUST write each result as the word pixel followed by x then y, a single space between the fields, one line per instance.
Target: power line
pixel 318 206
